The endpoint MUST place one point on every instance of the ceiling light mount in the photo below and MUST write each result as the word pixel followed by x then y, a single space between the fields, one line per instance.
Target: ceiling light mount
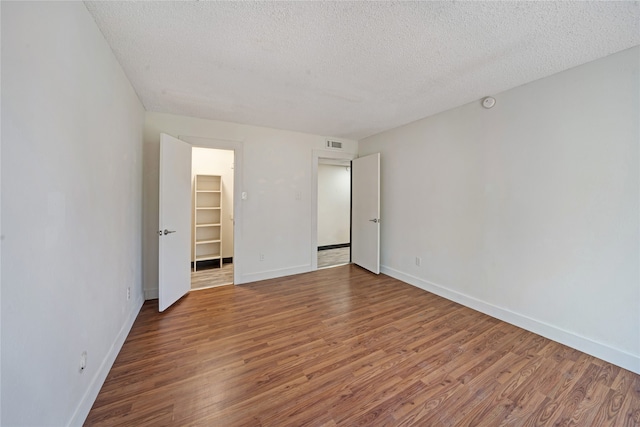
pixel 488 102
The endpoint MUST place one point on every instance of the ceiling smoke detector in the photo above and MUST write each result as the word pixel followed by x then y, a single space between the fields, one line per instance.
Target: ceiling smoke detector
pixel 488 102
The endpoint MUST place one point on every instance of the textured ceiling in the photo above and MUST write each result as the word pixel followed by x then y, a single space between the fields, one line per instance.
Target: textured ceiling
pixel 349 69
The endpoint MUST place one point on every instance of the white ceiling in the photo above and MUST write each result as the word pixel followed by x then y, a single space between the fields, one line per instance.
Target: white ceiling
pixel 349 69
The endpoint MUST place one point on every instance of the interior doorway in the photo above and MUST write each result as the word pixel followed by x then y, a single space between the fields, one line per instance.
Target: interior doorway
pixel 212 213
pixel 333 212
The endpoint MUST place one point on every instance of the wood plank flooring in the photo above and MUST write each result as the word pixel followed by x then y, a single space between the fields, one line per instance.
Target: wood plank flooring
pixel 343 347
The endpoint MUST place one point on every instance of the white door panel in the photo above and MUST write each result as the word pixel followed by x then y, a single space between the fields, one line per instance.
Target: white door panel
pixel 365 212
pixel 174 272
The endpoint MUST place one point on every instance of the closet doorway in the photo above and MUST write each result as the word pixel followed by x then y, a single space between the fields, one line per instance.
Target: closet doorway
pixel 334 212
pixel 212 213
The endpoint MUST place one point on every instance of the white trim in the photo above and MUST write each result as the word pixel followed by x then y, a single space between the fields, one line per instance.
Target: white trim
pixel 597 349
pixel 273 274
pixel 210 286
pixel 151 294
pixel 83 408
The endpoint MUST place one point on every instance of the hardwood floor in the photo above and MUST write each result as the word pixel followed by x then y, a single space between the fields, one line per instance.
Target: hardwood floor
pixel 343 347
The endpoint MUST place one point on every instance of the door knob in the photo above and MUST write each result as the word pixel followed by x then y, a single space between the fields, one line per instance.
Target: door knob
pixel 168 231
pixel 375 220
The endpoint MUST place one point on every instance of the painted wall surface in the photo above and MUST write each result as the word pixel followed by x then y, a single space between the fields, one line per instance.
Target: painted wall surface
pixel 71 211
pixel 0 223
pixel 276 216
pixel 528 211
pixel 207 161
pixel 334 204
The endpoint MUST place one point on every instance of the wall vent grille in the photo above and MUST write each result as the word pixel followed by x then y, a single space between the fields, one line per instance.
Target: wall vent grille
pixel 334 144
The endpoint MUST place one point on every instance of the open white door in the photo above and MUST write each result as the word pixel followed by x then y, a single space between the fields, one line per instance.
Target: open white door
pixel 174 234
pixel 365 212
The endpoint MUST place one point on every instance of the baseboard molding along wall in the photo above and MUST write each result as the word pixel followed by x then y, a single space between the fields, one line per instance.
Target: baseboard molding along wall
pixel 612 355
pixel 89 397
pixel 151 294
pixel 273 274
pixel 336 246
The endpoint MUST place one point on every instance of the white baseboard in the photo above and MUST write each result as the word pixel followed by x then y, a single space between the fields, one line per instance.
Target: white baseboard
pixel 151 294
pixel 248 278
pixel 272 274
pixel 81 412
pixel 602 351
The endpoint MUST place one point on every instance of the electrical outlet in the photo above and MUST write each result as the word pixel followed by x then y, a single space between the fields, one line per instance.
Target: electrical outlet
pixel 128 293
pixel 418 261
pixel 261 257
pixel 83 361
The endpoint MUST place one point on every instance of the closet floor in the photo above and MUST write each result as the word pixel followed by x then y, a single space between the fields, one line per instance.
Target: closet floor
pixel 209 277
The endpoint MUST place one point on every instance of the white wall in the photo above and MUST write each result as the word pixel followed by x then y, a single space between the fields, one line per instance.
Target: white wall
pixel 207 161
pixel 71 211
pixel 528 211
pixel 276 217
pixel 334 204
pixel 0 223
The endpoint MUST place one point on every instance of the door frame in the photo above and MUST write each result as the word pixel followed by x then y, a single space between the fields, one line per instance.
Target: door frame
pixel 237 148
pixel 315 159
